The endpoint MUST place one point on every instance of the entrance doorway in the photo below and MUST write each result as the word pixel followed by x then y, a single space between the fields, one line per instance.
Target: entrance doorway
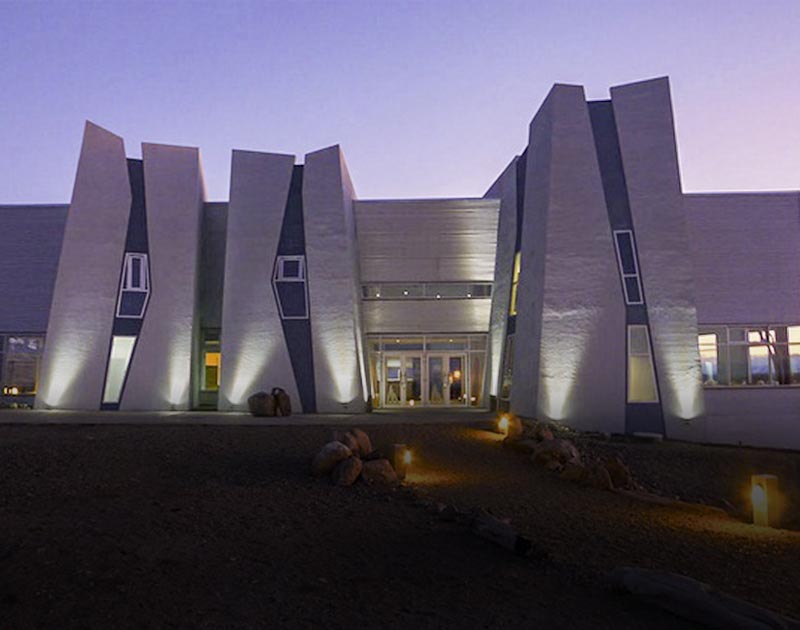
pixel 429 371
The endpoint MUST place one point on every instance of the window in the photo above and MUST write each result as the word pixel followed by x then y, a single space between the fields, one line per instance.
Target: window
pixel 19 364
pixel 427 291
pixel 134 287
pixel 118 362
pixel 756 355
pixel 289 283
pixel 628 267
pixel 290 269
pixel 641 374
pixel 512 309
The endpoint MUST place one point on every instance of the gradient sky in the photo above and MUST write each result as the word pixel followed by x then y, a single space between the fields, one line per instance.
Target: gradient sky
pixel 427 99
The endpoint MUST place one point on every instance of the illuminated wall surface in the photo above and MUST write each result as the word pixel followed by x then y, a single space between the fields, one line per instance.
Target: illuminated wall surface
pixel 294 279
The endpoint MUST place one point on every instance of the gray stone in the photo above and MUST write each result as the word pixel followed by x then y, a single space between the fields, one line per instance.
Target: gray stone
pixel 364 443
pixel 378 471
pixel 328 457
pixel 347 471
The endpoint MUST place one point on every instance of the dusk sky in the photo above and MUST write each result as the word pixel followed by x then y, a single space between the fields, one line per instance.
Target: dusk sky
pixel 427 99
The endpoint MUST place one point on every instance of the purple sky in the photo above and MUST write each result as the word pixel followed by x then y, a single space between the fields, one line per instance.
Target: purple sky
pixel 427 99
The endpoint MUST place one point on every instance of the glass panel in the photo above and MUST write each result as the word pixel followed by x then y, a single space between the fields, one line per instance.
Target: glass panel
pixel 707 344
pixel 793 333
pixel 121 351
pixel 641 380
pixel 737 335
pixel 508 368
pixel 758 356
pixel 476 364
pixel 456 379
pixel 794 360
pixel 291 268
pixel 512 310
pixel 212 371
pixel 136 273
pixel 413 380
pixel 480 290
pixel 477 342
pixel 375 375
pixel 632 292
pixel 435 380
pixel 401 290
pixel 403 343
pixel 626 255
pixel 738 364
pixel 394 367
pixel 446 343
pixel 638 341
pixel 132 303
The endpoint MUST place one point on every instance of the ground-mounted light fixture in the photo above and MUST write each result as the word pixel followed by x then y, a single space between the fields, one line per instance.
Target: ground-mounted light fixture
pixel 13 390
pixel 401 460
pixel 502 423
pixel 764 494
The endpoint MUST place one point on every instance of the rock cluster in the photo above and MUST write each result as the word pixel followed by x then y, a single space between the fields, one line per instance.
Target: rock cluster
pixel 560 455
pixel 349 456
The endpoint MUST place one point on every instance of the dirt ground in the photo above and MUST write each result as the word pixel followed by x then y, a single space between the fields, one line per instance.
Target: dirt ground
pixel 222 527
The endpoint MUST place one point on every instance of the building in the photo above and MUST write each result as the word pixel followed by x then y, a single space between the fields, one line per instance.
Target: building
pixel 584 287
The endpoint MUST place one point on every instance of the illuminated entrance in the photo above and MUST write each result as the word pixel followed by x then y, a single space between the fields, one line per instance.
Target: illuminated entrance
pixel 429 371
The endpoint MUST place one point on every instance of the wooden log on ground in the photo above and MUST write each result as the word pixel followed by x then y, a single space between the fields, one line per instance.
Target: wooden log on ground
pixel 696 601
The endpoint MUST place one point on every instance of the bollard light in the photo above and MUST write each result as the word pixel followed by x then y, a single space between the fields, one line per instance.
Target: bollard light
pixel 502 424
pixel 764 494
pixel 401 460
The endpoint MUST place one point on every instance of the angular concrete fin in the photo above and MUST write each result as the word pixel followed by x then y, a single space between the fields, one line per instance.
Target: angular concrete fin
pixel 160 372
pixel 340 374
pixel 643 113
pixel 569 308
pixel 255 356
pixel 84 297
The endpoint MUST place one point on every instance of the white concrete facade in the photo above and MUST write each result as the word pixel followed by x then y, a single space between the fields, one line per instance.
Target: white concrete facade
pixel 417 294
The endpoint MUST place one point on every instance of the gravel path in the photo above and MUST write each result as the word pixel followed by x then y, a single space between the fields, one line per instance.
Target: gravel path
pixel 221 527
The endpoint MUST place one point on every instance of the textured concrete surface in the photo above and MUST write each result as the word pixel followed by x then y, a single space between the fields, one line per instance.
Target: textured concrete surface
pixel 85 295
pixel 253 344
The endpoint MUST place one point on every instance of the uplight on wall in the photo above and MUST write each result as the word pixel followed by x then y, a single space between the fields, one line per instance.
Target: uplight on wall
pixel 401 460
pixel 764 494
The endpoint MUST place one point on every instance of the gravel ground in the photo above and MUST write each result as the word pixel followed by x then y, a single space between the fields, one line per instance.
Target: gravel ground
pixel 222 527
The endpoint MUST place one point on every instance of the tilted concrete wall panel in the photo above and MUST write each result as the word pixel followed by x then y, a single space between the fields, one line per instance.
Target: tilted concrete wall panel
pixel 528 332
pixel 746 255
pixel 254 351
pixel 160 373
pixel 582 331
pixel 332 259
pixel 504 190
pixel 85 293
pixel 643 113
pixel 30 244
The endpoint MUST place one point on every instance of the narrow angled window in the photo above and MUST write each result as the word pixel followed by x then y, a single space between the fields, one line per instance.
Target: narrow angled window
pixel 641 373
pixel 118 362
pixel 512 310
pixel 291 290
pixel 134 287
pixel 628 267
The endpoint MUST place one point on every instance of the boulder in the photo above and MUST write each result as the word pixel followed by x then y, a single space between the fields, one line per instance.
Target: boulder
pixel 328 457
pixel 348 439
pixel 559 452
pixel 347 471
pixel 599 478
pixel 539 431
pixel 364 443
pixel 378 471
pixel 620 474
pixel 574 472
pixel 262 405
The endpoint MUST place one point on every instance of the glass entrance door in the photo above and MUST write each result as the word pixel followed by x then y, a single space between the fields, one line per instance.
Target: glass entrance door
pixel 403 378
pixel 447 379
